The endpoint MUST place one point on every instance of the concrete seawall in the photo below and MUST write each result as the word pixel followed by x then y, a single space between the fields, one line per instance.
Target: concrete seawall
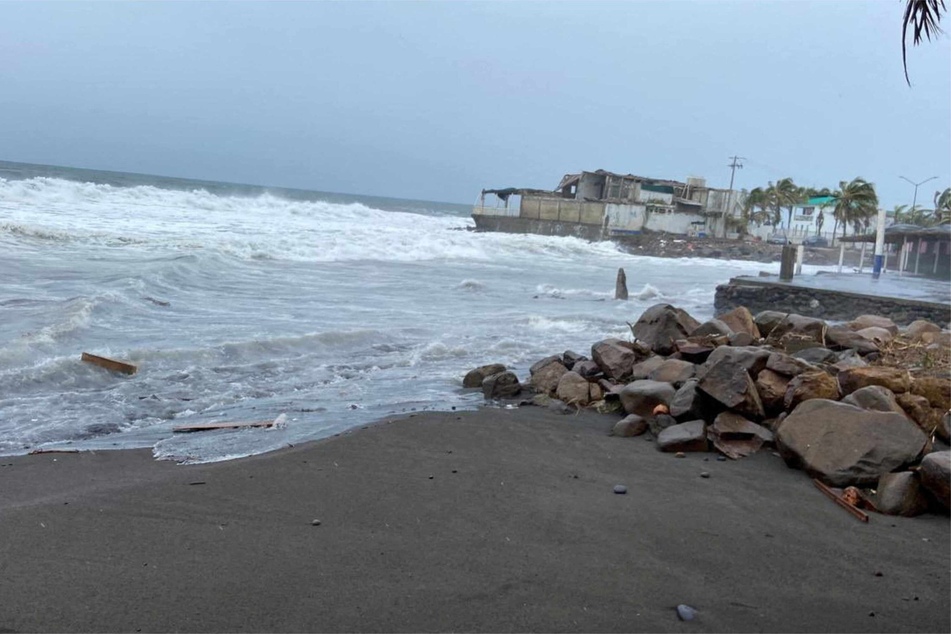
pixel 515 224
pixel 838 298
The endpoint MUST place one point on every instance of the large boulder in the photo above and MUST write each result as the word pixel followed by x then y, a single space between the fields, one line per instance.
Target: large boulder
pixel 844 445
pixel 545 379
pixel 475 377
pixel 810 385
pixel 689 436
pixel 750 358
pixel 900 494
pixel 541 363
pixel 673 371
pixel 895 379
pixel 935 472
pixel 936 389
pixel 501 385
pixel 772 390
pixel 873 321
pixel 741 320
pixel 730 384
pixel 875 398
pixel 641 397
pixel 661 325
pixel 736 436
pixel 616 358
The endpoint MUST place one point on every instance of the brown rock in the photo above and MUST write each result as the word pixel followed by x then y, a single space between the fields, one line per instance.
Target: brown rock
pixel 844 445
pixel 919 327
pixel 866 321
pixel 714 328
pixel 641 397
pixel 673 371
pixel 545 379
pixel 772 390
pixel 693 351
pixel 741 320
pixel 936 389
pixel 935 473
pixel 751 358
pixel 900 494
pixel 730 384
pixel 878 336
pixel 615 358
pixel 788 365
pixel 919 410
pixel 588 369
pixel 736 437
pixel 767 320
pixel 690 436
pixel 661 325
pixel 840 337
pixel 541 363
pixel 475 377
pixel 941 339
pixel 795 331
pixel 895 379
pixel 810 385
pixel 574 389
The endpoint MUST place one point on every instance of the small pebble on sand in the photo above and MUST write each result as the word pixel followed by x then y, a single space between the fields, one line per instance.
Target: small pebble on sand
pixel 704 474
pixel 686 613
pixel 315 523
pixel 620 489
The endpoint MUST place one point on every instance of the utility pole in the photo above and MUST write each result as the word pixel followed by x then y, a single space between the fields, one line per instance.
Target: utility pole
pixel 734 165
pixel 914 201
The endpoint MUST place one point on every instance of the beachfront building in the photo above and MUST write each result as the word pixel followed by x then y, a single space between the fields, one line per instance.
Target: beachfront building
pixel 602 204
pixel 813 217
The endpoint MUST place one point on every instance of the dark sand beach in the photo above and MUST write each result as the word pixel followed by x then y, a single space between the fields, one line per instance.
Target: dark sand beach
pixel 496 520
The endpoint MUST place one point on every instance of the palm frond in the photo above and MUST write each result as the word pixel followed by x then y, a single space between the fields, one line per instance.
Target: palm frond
pixel 925 17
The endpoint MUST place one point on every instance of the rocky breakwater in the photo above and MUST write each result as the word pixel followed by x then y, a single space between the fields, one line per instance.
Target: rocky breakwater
pixel 863 406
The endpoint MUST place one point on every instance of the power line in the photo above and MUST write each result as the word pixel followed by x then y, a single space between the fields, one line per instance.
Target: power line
pixel 735 165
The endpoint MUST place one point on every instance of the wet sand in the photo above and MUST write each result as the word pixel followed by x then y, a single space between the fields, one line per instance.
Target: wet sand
pixel 496 520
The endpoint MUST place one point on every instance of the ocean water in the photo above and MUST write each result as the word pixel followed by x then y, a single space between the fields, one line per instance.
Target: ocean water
pixel 242 303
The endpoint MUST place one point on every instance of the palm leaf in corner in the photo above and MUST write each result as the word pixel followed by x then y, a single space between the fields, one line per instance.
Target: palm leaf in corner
pixel 924 16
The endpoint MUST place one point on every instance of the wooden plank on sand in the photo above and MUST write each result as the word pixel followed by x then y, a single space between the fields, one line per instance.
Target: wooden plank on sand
pixel 213 426
pixel 109 364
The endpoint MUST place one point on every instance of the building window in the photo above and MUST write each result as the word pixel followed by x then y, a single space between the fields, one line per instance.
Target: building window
pixel 807 211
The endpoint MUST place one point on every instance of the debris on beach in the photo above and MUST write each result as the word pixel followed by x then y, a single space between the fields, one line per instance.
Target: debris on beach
pixel 184 429
pixel 686 613
pixel 109 364
pixel 620 489
pixel 742 383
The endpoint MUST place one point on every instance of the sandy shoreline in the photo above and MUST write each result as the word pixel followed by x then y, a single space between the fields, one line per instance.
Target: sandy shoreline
pixel 518 529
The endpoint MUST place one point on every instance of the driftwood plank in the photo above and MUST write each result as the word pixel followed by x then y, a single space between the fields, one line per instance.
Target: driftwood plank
pixel 109 364
pixel 182 429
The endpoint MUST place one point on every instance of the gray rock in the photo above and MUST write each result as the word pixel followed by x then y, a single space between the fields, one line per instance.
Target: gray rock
pixel 736 437
pixel 750 358
pixel 689 436
pixel 588 369
pixel 900 494
pixel 689 404
pixel 767 320
pixel 570 358
pixel 740 339
pixel 475 377
pixel 714 327
pixel 848 359
pixel 787 365
pixel 661 325
pixel 816 355
pixel 878 336
pixel 620 285
pixel 631 425
pixel 844 445
pixel 543 363
pixel 730 384
pixel 673 371
pixel 795 330
pixel 620 489
pixel 875 398
pixel 641 397
pixel 935 473
pixel 685 612
pixel 501 385
pixel 660 422
pixel 840 337
pixel 921 326
pixel 873 321
pixel 574 389
pixel 644 368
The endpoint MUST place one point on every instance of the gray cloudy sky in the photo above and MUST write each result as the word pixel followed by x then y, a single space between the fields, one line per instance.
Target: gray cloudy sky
pixel 436 100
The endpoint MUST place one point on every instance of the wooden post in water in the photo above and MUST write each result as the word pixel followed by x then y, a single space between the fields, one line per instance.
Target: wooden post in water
pixel 620 286
pixel 787 264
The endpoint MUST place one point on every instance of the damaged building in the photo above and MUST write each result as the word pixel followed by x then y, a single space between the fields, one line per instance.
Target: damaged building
pixel 599 205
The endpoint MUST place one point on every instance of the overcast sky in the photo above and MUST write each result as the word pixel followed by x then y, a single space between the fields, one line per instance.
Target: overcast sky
pixel 436 100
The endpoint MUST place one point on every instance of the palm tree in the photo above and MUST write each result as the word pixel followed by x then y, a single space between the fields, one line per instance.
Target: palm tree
pixel 784 193
pixel 942 205
pixel 925 17
pixel 898 213
pixel 856 202
pixel 756 206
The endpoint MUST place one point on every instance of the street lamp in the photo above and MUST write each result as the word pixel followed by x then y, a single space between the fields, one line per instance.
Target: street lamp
pixel 915 199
